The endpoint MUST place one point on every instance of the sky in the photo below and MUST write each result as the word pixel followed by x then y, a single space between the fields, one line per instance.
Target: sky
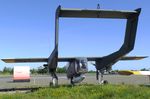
pixel 27 30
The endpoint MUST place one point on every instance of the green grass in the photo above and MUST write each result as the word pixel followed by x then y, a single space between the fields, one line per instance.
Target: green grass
pixel 85 92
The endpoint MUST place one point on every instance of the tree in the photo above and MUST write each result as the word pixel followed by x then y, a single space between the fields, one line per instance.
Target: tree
pixel 8 70
pixel 42 70
pixel 34 71
pixel 144 69
pixel 91 71
pixel 61 70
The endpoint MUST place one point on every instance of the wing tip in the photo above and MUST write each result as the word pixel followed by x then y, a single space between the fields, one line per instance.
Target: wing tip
pixel 142 57
pixel 8 60
pixel 23 60
pixel 134 57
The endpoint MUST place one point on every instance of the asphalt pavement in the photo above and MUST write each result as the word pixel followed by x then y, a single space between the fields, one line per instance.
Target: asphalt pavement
pixel 44 80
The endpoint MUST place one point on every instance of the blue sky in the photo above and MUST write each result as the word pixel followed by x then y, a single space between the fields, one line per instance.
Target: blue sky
pixel 27 30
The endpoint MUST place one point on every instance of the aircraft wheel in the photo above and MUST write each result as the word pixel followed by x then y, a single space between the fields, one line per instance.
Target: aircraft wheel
pixel 71 82
pixel 105 82
pixel 51 84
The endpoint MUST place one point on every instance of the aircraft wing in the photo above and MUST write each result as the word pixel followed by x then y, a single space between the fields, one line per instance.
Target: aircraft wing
pixel 65 59
pixel 23 60
pixel 133 57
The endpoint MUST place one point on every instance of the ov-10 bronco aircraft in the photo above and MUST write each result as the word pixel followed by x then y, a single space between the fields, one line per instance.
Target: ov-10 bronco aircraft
pixel 78 66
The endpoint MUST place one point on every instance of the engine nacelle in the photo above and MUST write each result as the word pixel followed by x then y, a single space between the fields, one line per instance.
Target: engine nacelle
pixel 78 79
pixel 77 68
pixel 81 67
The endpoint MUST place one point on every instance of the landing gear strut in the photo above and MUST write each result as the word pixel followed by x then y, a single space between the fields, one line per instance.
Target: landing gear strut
pixel 71 81
pixel 54 78
pixel 99 77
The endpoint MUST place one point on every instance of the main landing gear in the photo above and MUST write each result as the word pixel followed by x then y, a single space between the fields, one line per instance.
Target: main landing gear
pixel 54 79
pixel 71 81
pixel 99 77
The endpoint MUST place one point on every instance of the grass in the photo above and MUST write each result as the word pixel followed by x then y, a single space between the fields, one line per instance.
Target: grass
pixel 85 92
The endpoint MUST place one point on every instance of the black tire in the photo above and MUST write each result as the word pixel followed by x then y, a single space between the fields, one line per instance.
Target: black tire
pixel 105 82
